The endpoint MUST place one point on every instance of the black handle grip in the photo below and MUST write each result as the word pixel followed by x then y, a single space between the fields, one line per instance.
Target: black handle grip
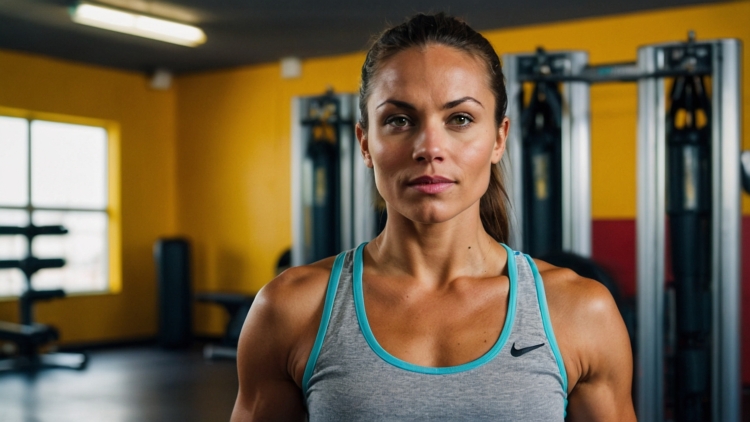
pixel 32 230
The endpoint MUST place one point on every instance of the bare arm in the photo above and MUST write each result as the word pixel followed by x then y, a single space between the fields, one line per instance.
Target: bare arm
pixel 274 345
pixel 603 391
pixel 595 347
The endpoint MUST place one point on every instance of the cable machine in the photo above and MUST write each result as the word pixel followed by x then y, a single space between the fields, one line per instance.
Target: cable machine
pixel 549 153
pixel 688 153
pixel 333 207
pixel 688 180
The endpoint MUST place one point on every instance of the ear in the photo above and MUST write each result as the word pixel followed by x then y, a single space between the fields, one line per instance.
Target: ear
pixel 501 137
pixel 364 146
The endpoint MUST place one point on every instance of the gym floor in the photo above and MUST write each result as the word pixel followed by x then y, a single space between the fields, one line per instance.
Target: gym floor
pixel 134 384
pixel 138 383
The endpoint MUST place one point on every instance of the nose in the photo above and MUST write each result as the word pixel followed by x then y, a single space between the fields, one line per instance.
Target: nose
pixel 430 144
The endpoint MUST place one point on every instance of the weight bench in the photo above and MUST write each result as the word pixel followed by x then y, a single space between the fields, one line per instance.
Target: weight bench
pixel 237 306
pixel 29 336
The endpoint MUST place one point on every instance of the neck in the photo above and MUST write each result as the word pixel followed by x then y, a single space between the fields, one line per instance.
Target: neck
pixel 436 253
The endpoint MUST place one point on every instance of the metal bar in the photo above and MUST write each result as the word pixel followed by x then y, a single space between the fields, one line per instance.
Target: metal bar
pixel 511 162
pixel 660 233
pixel 346 168
pixel 365 221
pixel 577 225
pixel 29 207
pixel 650 234
pixel 297 147
pixel 727 227
pixel 716 289
pixel 32 209
pixel 615 73
pixel 566 166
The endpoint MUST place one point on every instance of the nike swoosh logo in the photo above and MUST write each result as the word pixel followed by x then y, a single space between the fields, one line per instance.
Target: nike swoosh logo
pixel 518 352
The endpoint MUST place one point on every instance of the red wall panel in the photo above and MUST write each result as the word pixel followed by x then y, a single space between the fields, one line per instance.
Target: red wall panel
pixel 614 247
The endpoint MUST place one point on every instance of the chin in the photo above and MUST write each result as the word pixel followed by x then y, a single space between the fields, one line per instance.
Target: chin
pixel 430 215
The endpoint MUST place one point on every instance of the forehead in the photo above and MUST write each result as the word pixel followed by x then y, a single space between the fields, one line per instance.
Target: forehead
pixel 435 70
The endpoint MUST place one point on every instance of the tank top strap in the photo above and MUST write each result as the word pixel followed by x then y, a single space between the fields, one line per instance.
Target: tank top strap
pixel 528 320
pixel 341 266
pixel 533 325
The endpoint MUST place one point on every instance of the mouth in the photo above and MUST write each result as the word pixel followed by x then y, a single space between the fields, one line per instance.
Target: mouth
pixel 431 184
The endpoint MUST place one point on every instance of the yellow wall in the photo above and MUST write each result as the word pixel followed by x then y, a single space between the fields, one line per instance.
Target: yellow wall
pixel 211 158
pixel 234 137
pixel 146 120
pixel 234 170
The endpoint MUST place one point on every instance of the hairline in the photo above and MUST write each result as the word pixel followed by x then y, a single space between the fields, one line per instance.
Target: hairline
pixel 472 51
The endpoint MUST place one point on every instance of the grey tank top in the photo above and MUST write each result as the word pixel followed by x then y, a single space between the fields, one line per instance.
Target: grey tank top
pixel 350 377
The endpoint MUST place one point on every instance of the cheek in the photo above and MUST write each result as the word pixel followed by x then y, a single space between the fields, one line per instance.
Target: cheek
pixel 475 155
pixel 387 156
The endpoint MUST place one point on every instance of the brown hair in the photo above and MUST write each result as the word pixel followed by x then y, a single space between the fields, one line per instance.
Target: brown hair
pixel 422 30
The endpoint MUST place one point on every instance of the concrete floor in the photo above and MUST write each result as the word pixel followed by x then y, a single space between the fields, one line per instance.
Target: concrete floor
pixel 134 384
pixel 124 385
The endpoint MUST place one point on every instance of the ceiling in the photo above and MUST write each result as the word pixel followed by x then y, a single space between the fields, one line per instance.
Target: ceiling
pixel 242 32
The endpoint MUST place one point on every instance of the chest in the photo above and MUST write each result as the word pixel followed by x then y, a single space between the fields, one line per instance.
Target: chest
pixel 352 383
pixel 437 328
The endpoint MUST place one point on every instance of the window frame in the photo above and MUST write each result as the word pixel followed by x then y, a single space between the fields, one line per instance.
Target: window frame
pixel 113 208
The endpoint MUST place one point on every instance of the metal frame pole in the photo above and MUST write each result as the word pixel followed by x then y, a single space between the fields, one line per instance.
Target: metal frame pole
pixel 727 226
pixel 650 234
pixel 576 154
pixel 346 170
pixel 357 218
pixel 298 148
pixel 365 214
pixel 511 163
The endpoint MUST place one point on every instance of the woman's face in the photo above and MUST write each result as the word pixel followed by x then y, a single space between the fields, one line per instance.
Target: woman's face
pixel 432 135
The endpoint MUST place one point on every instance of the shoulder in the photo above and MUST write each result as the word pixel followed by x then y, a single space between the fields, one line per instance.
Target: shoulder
pixel 284 318
pixel 587 324
pixel 582 309
pixel 574 296
pixel 275 341
pixel 293 297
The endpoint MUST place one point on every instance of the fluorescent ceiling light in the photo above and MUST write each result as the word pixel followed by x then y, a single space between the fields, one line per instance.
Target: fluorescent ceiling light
pixel 135 24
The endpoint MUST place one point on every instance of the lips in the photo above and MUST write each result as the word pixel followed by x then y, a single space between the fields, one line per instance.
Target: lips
pixel 431 184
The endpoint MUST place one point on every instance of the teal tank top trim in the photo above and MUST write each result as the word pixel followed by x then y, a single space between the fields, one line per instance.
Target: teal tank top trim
pixel 542 297
pixel 333 283
pixel 359 304
pixel 348 376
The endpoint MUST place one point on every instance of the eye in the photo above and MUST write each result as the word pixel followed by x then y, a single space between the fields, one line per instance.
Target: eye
pixel 460 120
pixel 397 121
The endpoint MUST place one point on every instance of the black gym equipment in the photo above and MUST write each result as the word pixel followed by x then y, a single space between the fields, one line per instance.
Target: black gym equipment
pixel 541 129
pixel 28 336
pixel 745 160
pixel 237 306
pixel 333 206
pixel 172 258
pixel 689 196
pixel 322 123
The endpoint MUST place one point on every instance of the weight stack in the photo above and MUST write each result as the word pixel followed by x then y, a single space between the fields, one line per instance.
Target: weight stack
pixel 172 258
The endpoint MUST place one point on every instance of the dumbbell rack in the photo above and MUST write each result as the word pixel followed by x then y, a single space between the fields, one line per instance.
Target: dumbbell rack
pixel 29 336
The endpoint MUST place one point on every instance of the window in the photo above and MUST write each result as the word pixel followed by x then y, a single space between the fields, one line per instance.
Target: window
pixel 55 173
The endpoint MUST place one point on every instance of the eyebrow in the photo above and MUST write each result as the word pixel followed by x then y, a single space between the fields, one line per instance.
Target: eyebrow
pixel 397 103
pixel 446 106
pixel 455 103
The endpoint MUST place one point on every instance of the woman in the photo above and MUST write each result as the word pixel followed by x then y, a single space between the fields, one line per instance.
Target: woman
pixel 435 318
